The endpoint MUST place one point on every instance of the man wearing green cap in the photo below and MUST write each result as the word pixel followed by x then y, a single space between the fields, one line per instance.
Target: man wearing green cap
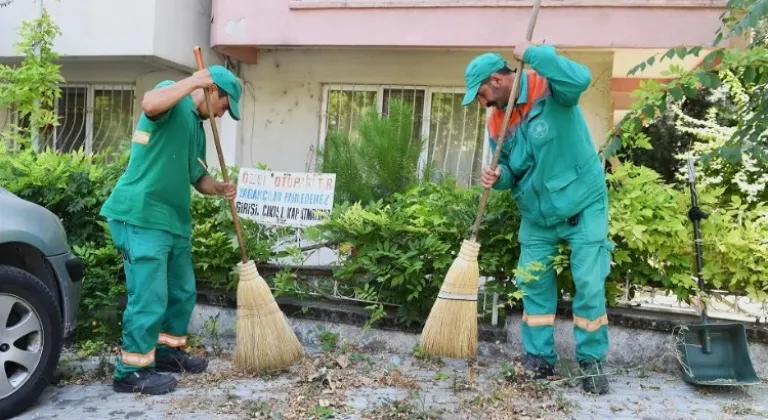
pixel 551 166
pixel 148 215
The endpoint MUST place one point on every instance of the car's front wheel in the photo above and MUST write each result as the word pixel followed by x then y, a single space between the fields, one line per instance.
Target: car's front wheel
pixel 30 339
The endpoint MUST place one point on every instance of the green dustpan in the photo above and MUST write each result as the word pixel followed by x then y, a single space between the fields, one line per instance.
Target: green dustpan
pixel 711 354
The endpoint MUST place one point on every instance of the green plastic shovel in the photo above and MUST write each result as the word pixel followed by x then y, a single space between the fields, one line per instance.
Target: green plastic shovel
pixel 711 354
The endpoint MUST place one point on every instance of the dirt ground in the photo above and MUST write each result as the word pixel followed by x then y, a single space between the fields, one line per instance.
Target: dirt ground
pixel 341 380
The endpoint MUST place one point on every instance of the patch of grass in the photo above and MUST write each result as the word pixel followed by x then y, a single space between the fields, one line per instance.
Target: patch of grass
pixel 260 410
pixel 324 412
pixel 211 332
pixel 425 360
pixel 89 348
pixel 412 408
pixel 328 340
pixel 418 352
pixel 441 376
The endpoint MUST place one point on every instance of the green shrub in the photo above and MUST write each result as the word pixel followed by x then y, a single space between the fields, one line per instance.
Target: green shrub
pixel 215 251
pixel 650 224
pixel 75 185
pixel 399 250
pixel 402 247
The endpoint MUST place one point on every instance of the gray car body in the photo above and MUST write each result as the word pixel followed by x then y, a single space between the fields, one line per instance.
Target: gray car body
pixel 28 224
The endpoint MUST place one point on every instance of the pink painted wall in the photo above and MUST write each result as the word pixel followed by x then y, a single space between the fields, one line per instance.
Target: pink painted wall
pixel 474 24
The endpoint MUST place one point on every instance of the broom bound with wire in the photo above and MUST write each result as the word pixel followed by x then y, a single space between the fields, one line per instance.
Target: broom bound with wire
pixel 451 328
pixel 265 339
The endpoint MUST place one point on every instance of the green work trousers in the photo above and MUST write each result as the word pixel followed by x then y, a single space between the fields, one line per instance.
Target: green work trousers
pixel 590 263
pixel 161 293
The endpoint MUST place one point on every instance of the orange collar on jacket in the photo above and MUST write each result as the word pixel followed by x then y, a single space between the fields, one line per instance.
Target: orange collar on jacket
pixel 533 87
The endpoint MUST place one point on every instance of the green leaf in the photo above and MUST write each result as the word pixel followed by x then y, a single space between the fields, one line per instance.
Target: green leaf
pixel 676 92
pixel 690 91
pixel 749 75
pixel 707 79
pixel 681 52
pixel 644 143
pixel 651 60
pixel 695 51
pixel 649 111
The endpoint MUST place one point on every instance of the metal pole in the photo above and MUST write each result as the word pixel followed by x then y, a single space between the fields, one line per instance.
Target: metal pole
pixel 35 128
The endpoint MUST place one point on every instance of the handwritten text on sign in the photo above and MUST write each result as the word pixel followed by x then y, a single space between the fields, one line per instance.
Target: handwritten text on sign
pixel 284 198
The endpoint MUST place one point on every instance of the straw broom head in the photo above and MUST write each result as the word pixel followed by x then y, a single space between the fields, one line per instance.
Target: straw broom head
pixel 451 328
pixel 265 339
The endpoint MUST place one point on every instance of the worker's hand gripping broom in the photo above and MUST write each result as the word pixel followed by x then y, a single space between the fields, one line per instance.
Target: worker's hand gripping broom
pixel 451 327
pixel 265 340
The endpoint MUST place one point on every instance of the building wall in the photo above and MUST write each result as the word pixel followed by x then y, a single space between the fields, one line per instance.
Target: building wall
pixel 463 23
pixel 164 30
pixel 283 95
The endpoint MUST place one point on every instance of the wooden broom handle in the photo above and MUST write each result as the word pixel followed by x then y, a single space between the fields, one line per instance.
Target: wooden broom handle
pixel 505 123
pixel 224 170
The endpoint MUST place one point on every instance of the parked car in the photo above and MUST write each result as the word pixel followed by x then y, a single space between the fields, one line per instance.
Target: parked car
pixel 39 295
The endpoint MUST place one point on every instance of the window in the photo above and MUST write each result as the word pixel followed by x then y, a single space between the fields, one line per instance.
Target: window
pixel 455 136
pixel 95 118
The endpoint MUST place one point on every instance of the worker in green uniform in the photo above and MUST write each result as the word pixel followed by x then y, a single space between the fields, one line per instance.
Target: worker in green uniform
pixel 556 178
pixel 148 215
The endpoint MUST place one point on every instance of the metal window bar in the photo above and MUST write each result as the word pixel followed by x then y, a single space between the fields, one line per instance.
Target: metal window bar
pixel 454 132
pixel 95 118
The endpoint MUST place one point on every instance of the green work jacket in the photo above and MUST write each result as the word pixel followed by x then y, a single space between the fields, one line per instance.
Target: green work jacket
pixel 549 161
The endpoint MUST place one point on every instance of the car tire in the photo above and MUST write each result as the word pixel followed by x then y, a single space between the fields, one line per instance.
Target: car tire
pixel 25 288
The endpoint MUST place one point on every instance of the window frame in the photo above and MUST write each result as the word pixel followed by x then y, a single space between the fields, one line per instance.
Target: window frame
pixel 90 95
pixel 426 113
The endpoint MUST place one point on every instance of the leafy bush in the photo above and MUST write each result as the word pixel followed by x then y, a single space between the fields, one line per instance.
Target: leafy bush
pixel 649 222
pixel 402 247
pixel 75 185
pixel 398 249
pixel 215 251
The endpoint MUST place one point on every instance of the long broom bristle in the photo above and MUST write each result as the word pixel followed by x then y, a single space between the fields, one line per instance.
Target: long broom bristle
pixel 265 339
pixel 451 328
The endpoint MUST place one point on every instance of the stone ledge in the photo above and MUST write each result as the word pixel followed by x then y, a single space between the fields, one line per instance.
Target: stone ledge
pixel 339 312
pixel 349 313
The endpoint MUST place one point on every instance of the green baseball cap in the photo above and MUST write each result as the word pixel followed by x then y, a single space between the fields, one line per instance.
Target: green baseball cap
pixel 479 69
pixel 229 83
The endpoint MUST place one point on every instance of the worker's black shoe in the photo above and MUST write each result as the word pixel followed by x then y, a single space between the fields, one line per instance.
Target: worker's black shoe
pixel 145 381
pixel 537 367
pixel 593 378
pixel 177 360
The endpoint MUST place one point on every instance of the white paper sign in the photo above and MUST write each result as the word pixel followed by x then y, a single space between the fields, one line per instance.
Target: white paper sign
pixel 284 198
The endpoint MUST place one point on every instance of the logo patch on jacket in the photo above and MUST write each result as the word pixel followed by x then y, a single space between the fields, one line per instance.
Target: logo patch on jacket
pixel 141 137
pixel 539 129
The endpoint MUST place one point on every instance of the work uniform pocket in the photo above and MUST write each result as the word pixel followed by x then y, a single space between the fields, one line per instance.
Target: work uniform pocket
pixel 117 230
pixel 570 189
pixel 526 200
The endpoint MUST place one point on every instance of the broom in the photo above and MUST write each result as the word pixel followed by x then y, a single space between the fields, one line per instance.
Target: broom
pixel 265 340
pixel 451 327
